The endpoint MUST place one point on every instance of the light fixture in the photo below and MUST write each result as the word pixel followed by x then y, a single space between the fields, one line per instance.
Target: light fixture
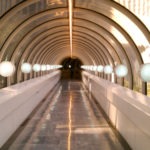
pixel 121 70
pixel 108 69
pixel 94 68
pixel 91 68
pixel 26 68
pixel 60 66
pixel 36 67
pixel 43 67
pixel 52 66
pixel 7 68
pixel 48 67
pixel 100 68
pixel 145 72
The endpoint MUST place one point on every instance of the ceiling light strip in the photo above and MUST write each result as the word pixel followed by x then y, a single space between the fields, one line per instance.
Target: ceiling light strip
pixel 70 24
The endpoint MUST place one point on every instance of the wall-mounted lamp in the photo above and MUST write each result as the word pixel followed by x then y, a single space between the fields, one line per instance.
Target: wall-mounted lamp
pixel 145 72
pixel 121 70
pixel 7 69
pixel 36 67
pixel 26 68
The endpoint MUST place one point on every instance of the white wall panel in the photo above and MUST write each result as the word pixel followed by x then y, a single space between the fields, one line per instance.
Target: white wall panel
pixel 18 101
pixel 128 110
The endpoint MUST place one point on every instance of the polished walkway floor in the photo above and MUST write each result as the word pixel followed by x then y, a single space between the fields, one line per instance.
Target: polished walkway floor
pixel 67 120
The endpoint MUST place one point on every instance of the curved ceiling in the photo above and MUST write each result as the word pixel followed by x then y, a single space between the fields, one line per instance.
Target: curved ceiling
pixel 104 32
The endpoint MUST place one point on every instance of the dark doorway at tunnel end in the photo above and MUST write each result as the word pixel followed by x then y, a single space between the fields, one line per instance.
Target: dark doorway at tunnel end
pixel 71 69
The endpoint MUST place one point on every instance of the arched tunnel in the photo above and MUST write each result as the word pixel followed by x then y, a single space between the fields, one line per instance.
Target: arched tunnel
pixel 51 52
pixel 71 69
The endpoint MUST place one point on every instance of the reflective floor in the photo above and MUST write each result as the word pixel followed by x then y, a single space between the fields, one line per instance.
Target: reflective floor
pixel 67 120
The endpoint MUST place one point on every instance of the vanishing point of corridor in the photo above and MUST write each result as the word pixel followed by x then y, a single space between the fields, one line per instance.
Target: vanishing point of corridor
pixel 68 119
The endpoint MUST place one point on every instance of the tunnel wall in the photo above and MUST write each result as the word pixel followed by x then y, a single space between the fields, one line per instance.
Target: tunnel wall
pixel 104 33
pixel 128 111
pixel 18 101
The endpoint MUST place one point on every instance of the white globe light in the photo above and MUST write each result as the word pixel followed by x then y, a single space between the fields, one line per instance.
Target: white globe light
pixel 51 67
pixel 54 67
pixel 108 69
pixel 100 68
pixel 145 72
pixel 91 68
pixel 94 68
pixel 48 67
pixel 36 67
pixel 7 68
pixel 60 66
pixel 26 68
pixel 43 67
pixel 88 67
pixel 121 70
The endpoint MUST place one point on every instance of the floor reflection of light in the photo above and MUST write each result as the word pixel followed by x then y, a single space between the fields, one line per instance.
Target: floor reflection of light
pixel 94 130
pixel 70 122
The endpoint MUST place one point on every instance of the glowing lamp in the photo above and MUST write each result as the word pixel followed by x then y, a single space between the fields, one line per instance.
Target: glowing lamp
pixel 51 67
pixel 6 69
pixel 121 70
pixel 26 68
pixel 94 68
pixel 145 72
pixel 54 66
pixel 36 67
pixel 108 69
pixel 100 68
pixel 91 68
pixel 88 67
pixel 43 67
pixel 48 67
pixel 60 66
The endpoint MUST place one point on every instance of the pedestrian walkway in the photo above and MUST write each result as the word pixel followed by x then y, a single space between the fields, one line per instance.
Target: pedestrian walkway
pixel 68 119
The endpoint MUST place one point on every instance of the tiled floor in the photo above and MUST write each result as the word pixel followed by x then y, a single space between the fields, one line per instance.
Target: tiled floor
pixel 68 120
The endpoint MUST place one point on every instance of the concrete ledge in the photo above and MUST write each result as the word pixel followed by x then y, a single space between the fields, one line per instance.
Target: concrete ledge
pixel 128 111
pixel 18 101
